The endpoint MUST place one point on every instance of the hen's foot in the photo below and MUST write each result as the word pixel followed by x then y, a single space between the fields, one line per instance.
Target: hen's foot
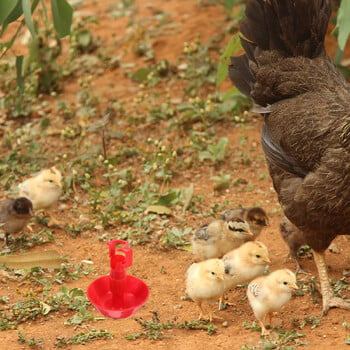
pixel 329 300
pixel 333 301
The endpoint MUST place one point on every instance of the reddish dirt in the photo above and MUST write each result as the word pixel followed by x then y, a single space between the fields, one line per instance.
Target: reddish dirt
pixel 164 269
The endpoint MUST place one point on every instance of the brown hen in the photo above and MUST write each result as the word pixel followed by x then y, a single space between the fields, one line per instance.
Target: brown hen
pixel 306 136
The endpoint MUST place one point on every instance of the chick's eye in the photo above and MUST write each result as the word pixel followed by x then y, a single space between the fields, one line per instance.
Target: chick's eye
pixel 285 283
pixel 213 273
pixel 258 256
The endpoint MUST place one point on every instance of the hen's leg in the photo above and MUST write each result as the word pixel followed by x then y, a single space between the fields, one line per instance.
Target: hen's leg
pixel 328 298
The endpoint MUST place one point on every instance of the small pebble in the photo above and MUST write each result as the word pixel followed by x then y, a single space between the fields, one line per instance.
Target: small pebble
pixel 225 324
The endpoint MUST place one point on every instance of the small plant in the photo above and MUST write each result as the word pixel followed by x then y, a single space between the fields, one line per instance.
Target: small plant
pixel 215 153
pixel 83 338
pixel 33 343
pixel 153 329
pixel 160 161
pixel 282 340
pixel 197 67
pixel 198 325
pixel 222 182
pixel 314 322
pixel 176 238
pixel 80 317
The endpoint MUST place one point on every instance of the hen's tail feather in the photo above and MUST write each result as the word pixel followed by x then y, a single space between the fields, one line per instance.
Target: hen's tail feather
pixel 275 30
pixel 239 69
pixel 293 27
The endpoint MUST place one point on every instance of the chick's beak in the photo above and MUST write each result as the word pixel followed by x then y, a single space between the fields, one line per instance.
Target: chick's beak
pixel 294 286
pixel 59 184
pixel 221 277
pixel 249 234
pixel 266 260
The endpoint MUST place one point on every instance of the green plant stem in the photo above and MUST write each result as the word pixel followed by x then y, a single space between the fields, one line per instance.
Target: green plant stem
pixel 13 39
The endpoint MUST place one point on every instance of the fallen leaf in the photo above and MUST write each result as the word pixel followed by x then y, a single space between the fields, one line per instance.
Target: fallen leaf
pixel 49 259
pixel 159 209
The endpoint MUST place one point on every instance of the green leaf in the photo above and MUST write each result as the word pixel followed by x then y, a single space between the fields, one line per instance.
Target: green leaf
pixel 19 70
pixel 229 4
pixel 167 199
pixel 230 93
pixel 231 49
pixel 62 13
pixel 46 308
pixel 186 196
pixel 15 13
pixel 27 10
pixel 140 75
pixel 343 23
pixel 84 38
pixel 6 7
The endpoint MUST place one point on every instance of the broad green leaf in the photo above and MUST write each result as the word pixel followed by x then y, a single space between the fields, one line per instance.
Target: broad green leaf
pixel 230 93
pixel 27 10
pixel 15 14
pixel 231 49
pixel 6 7
pixel 343 23
pixel 62 13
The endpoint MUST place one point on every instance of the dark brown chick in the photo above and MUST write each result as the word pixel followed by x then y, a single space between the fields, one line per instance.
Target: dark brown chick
pixel 255 216
pixel 14 215
pixel 294 239
pixel 306 105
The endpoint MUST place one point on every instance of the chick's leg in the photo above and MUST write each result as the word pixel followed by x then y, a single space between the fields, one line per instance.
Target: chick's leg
pixel 328 298
pixel 264 331
pixel 201 312
pixel 53 221
pixel 210 313
pixel 294 257
pixel 6 240
pixel 224 304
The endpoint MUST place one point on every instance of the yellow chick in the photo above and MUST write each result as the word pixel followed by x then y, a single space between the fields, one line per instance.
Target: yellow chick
pixel 43 189
pixel 267 294
pixel 244 264
pixel 219 237
pixel 256 217
pixel 205 283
